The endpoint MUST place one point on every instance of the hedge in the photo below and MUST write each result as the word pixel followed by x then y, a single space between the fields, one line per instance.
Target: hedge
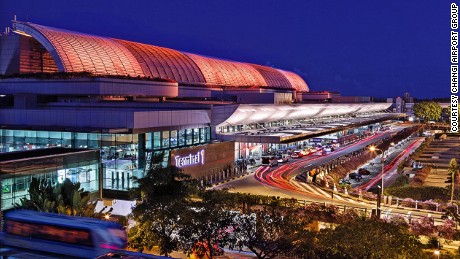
pixel 422 193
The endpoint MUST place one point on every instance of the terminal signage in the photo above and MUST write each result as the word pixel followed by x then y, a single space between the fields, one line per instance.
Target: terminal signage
pixel 204 161
pixel 190 159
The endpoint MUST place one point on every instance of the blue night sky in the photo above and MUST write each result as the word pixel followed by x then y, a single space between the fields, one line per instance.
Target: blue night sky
pixel 374 48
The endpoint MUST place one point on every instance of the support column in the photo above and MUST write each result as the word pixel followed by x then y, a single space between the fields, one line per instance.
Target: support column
pixel 141 150
pixel 73 141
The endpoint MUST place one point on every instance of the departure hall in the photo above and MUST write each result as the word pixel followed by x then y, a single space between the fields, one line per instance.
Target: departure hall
pixel 129 100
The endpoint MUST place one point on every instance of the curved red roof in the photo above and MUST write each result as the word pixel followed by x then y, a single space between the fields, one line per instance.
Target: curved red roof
pixel 79 52
pixel 76 52
pixel 165 63
pixel 227 73
pixel 273 77
pixel 295 80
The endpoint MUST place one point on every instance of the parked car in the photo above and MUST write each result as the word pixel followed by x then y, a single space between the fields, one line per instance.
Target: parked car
pixel 297 154
pixel 344 181
pixel 363 171
pixel 265 160
pixel 273 161
pixel 355 176
pixel 283 158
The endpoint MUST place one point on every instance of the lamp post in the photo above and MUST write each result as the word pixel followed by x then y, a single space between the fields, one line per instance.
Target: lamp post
pixel 372 149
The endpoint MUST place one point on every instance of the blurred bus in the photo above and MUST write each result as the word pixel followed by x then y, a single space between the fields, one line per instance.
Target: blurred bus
pixel 130 255
pixel 60 234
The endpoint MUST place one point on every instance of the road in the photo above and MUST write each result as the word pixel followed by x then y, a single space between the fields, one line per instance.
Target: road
pixel 280 181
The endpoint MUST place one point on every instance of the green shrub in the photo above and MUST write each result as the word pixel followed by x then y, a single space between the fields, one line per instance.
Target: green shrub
pixel 420 176
pixel 402 180
pixel 419 192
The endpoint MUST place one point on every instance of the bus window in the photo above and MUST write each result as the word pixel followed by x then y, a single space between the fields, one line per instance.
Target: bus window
pixel 48 232
pixel 61 234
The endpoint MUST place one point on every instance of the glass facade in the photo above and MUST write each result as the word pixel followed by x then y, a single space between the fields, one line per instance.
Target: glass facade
pixel 123 155
pixel 169 139
pixel 82 167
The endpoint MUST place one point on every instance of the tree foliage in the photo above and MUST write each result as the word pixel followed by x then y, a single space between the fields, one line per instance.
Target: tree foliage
pixel 272 230
pixel 367 239
pixel 208 228
pixel 164 198
pixel 174 214
pixel 428 110
pixel 64 198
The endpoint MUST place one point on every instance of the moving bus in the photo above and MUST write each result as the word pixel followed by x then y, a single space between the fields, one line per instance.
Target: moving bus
pixel 130 255
pixel 60 234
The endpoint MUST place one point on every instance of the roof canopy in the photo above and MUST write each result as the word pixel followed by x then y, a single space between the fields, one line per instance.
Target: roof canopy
pixel 255 113
pixel 77 52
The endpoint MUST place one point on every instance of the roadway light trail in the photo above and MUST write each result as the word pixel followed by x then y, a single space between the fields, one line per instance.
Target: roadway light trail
pixel 282 177
pixel 389 167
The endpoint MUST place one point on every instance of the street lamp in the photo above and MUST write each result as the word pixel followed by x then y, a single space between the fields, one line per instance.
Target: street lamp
pixel 437 253
pixel 372 149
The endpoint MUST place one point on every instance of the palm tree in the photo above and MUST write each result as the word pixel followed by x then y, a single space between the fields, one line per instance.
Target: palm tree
pixel 63 198
pixel 453 168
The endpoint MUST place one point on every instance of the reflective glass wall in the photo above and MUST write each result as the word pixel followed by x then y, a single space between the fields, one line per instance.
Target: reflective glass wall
pixel 122 155
pixel 170 139
pixel 16 175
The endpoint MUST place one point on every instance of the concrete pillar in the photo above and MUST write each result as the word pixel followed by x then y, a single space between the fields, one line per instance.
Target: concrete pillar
pixel 141 150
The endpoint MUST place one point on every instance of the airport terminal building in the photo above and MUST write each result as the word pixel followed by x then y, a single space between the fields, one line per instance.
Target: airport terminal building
pixel 129 100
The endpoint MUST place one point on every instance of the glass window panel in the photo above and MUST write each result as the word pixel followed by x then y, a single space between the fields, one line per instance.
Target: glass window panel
pixel 181 137
pixel 93 136
pixel 156 140
pixel 165 139
pixel 81 136
pixel 208 134
pixel 189 136
pixel 8 133
pixel 173 137
pixel 202 135
pixel 196 136
pixel 19 133
pixel 30 134
pixel 55 134
pixel 148 140
pixel 66 135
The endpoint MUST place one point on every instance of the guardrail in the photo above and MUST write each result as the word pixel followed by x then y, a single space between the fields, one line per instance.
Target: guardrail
pixel 386 212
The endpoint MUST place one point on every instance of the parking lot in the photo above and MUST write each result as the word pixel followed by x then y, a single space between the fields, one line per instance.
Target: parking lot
pixel 374 167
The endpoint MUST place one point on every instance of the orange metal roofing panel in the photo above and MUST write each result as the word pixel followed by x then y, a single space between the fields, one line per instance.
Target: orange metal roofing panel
pixel 273 77
pixel 83 52
pixel 165 63
pixel 75 52
pixel 227 73
pixel 296 81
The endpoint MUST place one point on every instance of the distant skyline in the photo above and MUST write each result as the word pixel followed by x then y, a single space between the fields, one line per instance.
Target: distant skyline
pixel 380 49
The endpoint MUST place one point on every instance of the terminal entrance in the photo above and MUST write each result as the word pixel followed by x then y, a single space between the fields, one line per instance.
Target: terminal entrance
pixel 253 153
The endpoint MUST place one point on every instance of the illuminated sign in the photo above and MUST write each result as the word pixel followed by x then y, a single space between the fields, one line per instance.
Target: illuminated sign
pixel 191 159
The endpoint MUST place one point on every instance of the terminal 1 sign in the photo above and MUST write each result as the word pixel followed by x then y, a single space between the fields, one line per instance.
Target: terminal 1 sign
pixel 205 160
pixel 190 159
